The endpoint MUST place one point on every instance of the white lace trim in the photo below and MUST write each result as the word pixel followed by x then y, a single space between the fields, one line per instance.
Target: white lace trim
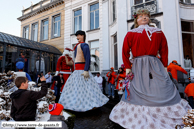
pixel 142 27
pixel 147 29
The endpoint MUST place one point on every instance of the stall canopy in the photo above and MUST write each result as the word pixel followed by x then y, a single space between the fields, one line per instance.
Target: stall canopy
pixel 26 43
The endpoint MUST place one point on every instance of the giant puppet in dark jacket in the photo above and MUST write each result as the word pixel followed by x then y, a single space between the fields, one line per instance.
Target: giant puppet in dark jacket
pixel 81 91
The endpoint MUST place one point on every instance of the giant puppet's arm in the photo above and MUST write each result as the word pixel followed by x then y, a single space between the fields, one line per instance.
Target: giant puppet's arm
pixel 163 50
pixel 72 67
pixel 58 65
pixel 86 52
pixel 126 52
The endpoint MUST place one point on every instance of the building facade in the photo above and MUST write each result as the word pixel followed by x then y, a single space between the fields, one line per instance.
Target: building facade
pixel 175 18
pixel 106 23
pixel 44 22
pixel 176 21
pixel 85 15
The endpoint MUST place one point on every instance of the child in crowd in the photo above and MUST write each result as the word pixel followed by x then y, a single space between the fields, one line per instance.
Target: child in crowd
pixel 24 102
pixel 56 111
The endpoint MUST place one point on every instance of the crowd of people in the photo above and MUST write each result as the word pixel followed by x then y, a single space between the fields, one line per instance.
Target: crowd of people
pixel 146 100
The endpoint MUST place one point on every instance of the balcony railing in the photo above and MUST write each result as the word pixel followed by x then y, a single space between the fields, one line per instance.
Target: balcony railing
pixel 149 5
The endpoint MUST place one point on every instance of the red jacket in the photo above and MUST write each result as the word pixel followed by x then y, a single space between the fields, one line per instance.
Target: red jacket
pixel 113 77
pixel 173 69
pixel 189 90
pixel 61 65
pixel 140 45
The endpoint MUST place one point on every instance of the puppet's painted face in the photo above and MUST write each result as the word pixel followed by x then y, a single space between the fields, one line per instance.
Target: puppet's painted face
pixel 80 38
pixel 143 19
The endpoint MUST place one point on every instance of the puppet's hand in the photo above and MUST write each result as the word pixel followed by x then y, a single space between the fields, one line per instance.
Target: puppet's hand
pixel 128 71
pixel 86 75
pixel 166 69
pixel 57 72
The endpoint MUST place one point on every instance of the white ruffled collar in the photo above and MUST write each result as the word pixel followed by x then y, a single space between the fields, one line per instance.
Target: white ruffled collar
pixel 144 26
pixel 149 30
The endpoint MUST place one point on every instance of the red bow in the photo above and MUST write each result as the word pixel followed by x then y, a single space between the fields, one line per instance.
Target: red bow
pixel 135 15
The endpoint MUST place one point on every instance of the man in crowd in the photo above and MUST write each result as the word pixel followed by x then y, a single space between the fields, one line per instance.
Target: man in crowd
pixel 48 77
pixel 38 79
pixel 173 68
pixel 99 80
pixel 111 82
pixel 189 92
pixel 41 73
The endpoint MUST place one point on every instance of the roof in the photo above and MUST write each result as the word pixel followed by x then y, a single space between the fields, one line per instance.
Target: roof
pixel 26 43
pixel 41 9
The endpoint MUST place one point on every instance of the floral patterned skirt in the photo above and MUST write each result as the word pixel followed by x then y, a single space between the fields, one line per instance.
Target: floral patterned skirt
pixel 132 116
pixel 154 100
pixel 81 95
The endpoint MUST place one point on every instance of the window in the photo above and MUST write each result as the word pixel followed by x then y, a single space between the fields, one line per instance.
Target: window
pixel 45 29
pixel 150 5
pixel 140 1
pixel 186 1
pixel 11 56
pixel 26 32
pixel 188 39
pixel 94 16
pixel 95 54
pixel 56 31
pixel 77 20
pixel 35 32
pixel 115 58
pixel 114 10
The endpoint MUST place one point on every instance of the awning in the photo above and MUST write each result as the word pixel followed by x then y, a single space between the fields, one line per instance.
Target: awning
pixel 26 43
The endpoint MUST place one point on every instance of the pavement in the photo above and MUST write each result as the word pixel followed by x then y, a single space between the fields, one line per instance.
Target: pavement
pixel 96 119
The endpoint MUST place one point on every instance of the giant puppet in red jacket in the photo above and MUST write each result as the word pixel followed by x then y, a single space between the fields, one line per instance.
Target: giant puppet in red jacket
pixel 65 66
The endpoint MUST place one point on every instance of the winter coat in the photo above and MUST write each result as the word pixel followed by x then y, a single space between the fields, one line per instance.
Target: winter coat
pixel 120 77
pixel 189 90
pixel 173 69
pixel 111 77
pixel 24 103
pixel 58 79
pixel 58 118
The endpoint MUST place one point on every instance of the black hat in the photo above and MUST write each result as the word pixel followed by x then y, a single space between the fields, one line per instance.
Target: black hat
pixel 79 32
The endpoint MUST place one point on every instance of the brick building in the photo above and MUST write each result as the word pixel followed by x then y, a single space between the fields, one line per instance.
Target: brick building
pixel 44 22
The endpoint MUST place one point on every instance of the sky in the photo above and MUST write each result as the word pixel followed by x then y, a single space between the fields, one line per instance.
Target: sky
pixel 10 10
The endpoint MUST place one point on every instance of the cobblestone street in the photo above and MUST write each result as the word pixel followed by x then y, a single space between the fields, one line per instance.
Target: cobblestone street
pixel 96 119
